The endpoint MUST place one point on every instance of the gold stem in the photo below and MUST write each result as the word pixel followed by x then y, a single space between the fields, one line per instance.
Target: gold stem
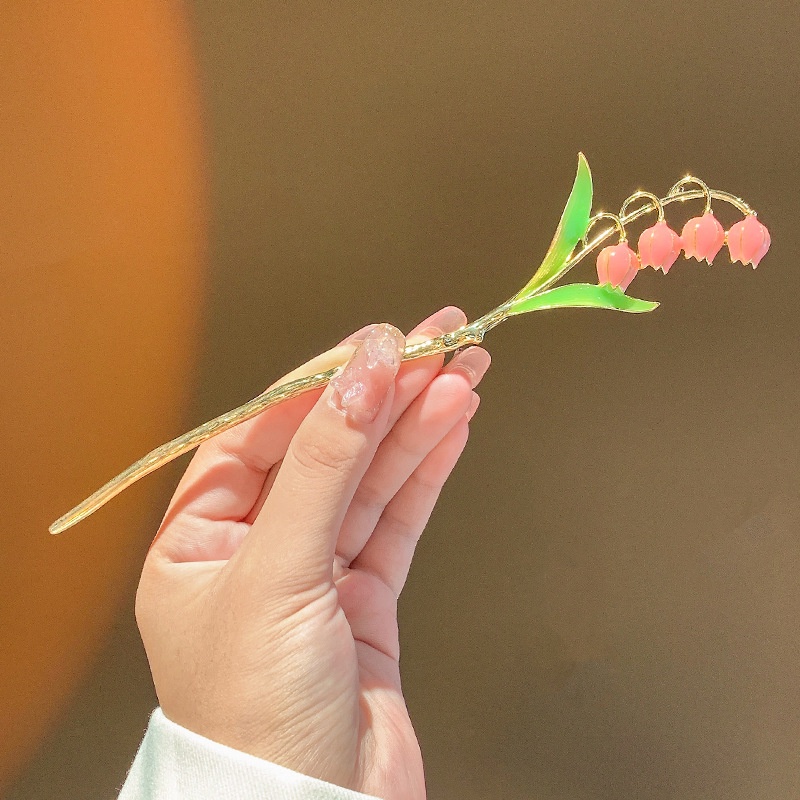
pixel 469 334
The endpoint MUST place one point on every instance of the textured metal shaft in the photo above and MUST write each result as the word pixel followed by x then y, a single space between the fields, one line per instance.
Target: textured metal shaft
pixel 188 441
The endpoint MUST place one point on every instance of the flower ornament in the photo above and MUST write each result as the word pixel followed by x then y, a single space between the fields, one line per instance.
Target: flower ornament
pixel 748 241
pixel 659 246
pixel 703 237
pixel 617 265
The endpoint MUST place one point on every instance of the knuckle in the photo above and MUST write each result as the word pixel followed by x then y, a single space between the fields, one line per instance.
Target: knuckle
pixel 320 456
pixel 405 446
pixel 370 497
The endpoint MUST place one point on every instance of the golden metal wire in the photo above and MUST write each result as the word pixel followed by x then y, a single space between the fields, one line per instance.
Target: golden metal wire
pixel 636 195
pixel 470 334
pixel 623 237
pixel 691 179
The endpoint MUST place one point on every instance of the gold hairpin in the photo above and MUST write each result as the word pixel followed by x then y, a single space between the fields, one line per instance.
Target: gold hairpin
pixel 659 246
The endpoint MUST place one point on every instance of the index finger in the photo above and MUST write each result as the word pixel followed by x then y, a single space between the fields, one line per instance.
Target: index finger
pixel 224 479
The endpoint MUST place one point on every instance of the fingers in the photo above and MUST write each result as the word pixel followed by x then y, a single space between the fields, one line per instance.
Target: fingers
pixel 230 476
pixel 240 458
pixel 411 379
pixel 389 552
pixel 295 533
pixel 368 591
pixel 225 480
pixel 427 421
pixel 415 375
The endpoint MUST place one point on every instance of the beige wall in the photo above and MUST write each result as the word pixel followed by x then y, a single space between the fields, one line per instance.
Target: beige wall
pixel 605 604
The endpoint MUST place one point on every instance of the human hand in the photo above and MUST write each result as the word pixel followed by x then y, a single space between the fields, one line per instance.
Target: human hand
pixel 268 601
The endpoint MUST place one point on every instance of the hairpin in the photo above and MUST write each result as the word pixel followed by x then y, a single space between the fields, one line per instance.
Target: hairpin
pixel 617 265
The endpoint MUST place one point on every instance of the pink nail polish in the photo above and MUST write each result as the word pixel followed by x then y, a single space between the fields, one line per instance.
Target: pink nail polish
pixel 444 320
pixel 360 389
pixel 473 362
pixel 473 406
pixel 358 336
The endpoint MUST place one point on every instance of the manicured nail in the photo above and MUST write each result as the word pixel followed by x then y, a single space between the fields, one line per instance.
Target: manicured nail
pixel 443 321
pixel 361 387
pixel 358 336
pixel 473 406
pixel 472 362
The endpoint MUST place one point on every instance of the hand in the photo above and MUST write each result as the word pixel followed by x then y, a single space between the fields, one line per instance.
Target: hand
pixel 268 601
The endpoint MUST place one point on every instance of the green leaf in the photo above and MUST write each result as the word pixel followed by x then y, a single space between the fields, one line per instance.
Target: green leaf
pixel 573 225
pixel 583 295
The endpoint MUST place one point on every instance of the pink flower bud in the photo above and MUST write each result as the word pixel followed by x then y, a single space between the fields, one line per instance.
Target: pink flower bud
pixel 703 237
pixel 659 247
pixel 617 265
pixel 748 241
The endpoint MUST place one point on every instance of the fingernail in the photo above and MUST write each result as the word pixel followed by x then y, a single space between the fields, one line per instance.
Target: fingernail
pixel 472 362
pixel 443 321
pixel 473 406
pixel 358 336
pixel 361 387
pixel 424 336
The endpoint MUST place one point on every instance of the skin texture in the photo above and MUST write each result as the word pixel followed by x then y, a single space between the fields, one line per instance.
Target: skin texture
pixel 268 601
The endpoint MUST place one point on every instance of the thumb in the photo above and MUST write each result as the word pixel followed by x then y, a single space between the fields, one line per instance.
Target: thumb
pixel 297 528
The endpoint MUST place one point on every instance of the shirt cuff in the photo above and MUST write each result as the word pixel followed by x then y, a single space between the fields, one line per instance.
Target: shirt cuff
pixel 174 763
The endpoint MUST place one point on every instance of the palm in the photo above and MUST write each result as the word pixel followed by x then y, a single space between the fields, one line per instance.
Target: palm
pixel 344 651
pixel 366 687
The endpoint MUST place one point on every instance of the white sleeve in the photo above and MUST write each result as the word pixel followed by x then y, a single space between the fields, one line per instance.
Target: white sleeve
pixel 175 764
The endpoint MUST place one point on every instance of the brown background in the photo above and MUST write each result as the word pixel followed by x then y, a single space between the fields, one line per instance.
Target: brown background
pixel 605 604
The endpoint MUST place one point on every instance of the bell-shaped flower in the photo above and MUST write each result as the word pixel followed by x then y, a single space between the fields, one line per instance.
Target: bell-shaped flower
pixel 659 247
pixel 748 241
pixel 703 237
pixel 617 265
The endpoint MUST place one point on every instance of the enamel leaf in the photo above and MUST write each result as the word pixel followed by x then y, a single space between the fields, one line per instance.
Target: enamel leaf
pixel 571 228
pixel 584 295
